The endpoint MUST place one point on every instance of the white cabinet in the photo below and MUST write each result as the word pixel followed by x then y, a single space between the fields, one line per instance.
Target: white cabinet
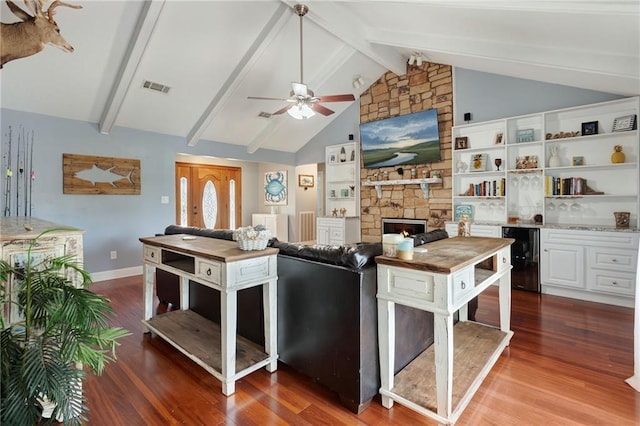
pixel 549 165
pixel 276 223
pixel 338 230
pixel 562 265
pixel 15 241
pixel 599 266
pixel 342 190
pixel 494 231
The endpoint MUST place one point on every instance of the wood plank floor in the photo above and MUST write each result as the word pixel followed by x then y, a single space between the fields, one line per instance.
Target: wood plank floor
pixel 566 366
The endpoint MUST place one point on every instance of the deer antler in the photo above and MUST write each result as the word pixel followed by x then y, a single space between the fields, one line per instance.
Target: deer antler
pixel 56 3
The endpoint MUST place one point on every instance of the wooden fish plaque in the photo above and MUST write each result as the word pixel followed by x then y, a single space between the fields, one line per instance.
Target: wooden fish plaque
pixel 88 174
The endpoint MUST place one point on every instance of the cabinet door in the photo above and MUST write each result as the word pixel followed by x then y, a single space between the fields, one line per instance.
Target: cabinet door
pixel 486 231
pixel 562 265
pixel 323 235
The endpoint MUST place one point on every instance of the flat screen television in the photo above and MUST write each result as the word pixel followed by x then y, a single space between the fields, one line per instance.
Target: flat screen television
pixel 399 141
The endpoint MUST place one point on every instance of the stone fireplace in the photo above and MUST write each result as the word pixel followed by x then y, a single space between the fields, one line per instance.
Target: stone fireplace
pixel 421 88
pixel 403 225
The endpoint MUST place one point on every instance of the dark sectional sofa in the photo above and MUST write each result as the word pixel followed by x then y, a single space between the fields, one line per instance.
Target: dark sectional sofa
pixel 327 313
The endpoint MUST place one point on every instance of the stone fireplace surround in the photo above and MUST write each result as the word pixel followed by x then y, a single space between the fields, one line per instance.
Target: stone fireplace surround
pixel 421 88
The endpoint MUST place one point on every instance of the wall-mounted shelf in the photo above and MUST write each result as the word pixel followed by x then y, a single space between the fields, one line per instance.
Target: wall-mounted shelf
pixel 424 184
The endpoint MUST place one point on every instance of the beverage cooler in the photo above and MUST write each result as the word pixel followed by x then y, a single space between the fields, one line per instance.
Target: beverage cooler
pixel 525 257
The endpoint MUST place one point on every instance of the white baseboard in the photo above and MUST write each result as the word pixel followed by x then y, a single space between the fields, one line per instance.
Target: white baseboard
pixel 634 382
pixel 116 273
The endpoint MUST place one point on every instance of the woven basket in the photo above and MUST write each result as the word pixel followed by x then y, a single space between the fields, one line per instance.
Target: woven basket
pixel 257 244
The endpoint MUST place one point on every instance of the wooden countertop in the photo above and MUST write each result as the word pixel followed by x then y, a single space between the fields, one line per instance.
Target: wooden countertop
pixel 26 227
pixel 449 254
pixel 206 247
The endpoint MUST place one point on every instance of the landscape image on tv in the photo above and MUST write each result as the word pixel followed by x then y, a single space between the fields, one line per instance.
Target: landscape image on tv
pixel 403 140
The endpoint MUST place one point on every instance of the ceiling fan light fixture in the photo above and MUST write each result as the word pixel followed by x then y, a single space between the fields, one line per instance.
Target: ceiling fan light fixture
pixel 301 111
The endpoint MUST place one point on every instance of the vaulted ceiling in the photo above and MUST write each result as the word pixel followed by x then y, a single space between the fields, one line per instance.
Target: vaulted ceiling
pixel 215 54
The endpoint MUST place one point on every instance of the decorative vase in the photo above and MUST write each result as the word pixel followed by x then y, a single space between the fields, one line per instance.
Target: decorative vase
pixel 618 155
pixel 622 219
pixel 343 155
pixel 554 160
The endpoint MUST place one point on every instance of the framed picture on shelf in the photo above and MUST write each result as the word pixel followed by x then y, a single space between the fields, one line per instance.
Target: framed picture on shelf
pixel 478 163
pixel 498 138
pixel 577 161
pixel 305 181
pixel 623 124
pixel 525 135
pixel 589 128
pixel 462 142
pixel 463 209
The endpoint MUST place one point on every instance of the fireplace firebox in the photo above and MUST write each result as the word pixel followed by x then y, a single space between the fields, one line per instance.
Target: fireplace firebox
pixel 403 225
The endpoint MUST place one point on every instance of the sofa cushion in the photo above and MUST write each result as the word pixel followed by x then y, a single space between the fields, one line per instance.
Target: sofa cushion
pixel 427 237
pixel 221 234
pixel 353 256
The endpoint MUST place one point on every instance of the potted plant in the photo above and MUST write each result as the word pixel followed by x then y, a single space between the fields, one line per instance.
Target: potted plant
pixel 61 336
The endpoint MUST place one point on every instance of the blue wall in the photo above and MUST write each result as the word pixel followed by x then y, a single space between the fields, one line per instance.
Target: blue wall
pixel 114 222
pixel 490 96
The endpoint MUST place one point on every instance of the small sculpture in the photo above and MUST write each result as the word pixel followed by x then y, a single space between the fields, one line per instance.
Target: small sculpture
pixel 617 156
pixel 334 212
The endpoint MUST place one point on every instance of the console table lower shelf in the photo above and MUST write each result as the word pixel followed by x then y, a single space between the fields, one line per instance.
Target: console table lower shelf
pixel 199 339
pixel 477 347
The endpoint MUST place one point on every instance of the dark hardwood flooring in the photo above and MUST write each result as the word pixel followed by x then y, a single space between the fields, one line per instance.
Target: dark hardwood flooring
pixel 566 365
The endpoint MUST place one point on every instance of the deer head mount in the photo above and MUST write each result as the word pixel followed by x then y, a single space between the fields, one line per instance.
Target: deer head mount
pixel 33 32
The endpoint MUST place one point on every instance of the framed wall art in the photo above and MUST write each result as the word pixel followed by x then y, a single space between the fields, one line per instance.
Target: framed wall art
pixel 525 135
pixel 498 138
pixel 306 181
pixel 589 128
pixel 462 142
pixel 275 188
pixel 623 124
pixel 90 174
pixel 478 163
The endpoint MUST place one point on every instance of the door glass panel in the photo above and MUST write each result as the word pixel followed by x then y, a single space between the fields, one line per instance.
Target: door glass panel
pixel 209 205
pixel 184 221
pixel 232 204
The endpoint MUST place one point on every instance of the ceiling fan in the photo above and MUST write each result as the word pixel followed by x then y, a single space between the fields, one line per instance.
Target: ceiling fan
pixel 303 102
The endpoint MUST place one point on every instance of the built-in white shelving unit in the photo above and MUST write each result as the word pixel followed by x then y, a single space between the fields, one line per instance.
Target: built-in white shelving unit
pixel 579 185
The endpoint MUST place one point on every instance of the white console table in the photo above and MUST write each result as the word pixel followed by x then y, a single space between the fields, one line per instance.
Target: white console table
pixel 221 265
pixel 443 280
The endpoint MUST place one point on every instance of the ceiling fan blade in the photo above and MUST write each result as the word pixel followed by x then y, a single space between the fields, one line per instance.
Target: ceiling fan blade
pixel 321 109
pixel 299 89
pixel 337 98
pixel 267 99
pixel 282 110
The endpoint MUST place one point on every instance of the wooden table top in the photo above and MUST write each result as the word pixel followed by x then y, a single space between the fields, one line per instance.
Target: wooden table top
pixel 449 254
pixel 206 247
pixel 27 227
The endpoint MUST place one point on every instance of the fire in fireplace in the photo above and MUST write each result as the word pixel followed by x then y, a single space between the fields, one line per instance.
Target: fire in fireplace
pixel 400 225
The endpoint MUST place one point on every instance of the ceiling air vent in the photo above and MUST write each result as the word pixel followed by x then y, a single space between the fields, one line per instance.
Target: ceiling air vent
pixel 156 86
pixel 264 115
